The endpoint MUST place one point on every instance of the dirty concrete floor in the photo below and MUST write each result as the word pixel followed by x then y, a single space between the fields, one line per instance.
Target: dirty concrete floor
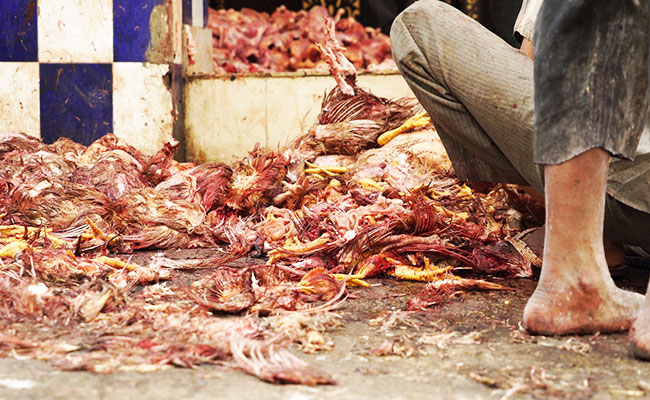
pixel 470 348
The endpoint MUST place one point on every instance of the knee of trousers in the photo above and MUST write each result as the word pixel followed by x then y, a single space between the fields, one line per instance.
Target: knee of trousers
pixel 413 30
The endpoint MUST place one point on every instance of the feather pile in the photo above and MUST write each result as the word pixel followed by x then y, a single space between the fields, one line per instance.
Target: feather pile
pixel 248 41
pixel 328 211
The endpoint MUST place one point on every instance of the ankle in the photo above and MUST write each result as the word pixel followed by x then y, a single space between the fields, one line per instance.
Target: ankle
pixel 573 262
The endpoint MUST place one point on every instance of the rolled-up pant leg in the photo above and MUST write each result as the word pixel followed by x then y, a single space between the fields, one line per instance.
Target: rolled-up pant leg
pixel 477 89
pixel 591 77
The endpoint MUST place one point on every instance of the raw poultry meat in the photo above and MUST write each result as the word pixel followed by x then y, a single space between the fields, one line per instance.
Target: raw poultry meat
pixel 247 41
pixel 330 210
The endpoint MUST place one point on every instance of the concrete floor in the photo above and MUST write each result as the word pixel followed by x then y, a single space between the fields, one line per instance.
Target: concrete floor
pixel 471 348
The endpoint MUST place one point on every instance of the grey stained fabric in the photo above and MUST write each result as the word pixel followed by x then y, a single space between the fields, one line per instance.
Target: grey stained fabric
pixel 591 84
pixel 591 77
pixel 478 91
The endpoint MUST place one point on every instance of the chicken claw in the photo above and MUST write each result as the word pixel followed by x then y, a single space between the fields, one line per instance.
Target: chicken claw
pixel 352 280
pixel 330 171
pixel 416 121
pixel 10 250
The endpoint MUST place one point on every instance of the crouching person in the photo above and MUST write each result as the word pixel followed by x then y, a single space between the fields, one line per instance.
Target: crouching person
pixel 480 94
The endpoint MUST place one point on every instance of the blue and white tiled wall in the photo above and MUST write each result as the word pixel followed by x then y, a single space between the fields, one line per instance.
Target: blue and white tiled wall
pixel 84 68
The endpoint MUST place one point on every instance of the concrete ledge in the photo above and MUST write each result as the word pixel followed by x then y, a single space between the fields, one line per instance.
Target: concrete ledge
pixel 226 116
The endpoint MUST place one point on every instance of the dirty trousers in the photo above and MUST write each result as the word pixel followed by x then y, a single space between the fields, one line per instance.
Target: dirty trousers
pixel 591 78
pixel 479 92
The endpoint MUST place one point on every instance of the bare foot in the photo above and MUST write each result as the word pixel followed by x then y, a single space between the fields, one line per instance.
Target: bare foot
pixel 640 332
pixel 575 293
pixel 581 306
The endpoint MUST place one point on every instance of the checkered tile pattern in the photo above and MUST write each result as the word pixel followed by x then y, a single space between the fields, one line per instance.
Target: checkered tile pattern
pixel 84 68
pixel 195 13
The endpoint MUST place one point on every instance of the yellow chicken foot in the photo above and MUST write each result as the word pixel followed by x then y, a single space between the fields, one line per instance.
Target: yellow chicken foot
pixel 10 250
pixel 327 170
pixel 352 280
pixel 18 231
pixel 293 245
pixel 116 263
pixel 96 230
pixel 410 273
pixel 368 183
pixel 416 121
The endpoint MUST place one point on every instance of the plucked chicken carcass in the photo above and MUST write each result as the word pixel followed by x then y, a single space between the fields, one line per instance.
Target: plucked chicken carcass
pixel 350 122
pixel 56 204
pixel 113 172
pixel 256 180
pixel 396 209
pixel 148 219
pixel 347 102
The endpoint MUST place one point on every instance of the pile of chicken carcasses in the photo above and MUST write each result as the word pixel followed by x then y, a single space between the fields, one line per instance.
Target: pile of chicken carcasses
pixel 330 210
pixel 248 41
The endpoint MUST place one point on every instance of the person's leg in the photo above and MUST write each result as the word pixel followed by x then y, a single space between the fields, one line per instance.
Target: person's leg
pixel 586 109
pixel 640 331
pixel 575 293
pixel 477 89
